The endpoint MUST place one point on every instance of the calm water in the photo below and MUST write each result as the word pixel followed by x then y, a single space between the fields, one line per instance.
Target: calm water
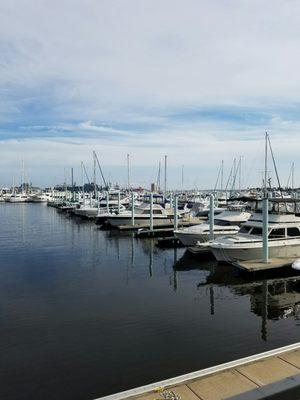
pixel 85 313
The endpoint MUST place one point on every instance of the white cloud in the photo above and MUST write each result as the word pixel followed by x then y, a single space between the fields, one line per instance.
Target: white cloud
pixel 111 73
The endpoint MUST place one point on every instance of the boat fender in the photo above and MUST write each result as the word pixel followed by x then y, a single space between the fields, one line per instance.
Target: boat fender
pixel 296 264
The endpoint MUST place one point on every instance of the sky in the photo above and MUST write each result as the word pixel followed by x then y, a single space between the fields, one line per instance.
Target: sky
pixel 197 80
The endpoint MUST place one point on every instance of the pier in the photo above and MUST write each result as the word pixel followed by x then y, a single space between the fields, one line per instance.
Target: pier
pixel 259 265
pixel 275 372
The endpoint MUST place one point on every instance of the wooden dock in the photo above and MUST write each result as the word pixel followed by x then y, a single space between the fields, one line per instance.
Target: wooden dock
pixel 254 377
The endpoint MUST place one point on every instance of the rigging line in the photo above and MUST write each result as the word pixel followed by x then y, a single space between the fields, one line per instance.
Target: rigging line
pixel 275 167
pixel 87 177
pixel 218 178
pixel 99 166
pixel 236 172
pixel 229 178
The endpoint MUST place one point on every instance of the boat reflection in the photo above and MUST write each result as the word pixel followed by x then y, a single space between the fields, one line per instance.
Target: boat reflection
pixel 273 296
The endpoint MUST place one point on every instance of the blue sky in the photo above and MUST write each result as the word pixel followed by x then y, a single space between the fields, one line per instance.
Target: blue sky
pixel 199 81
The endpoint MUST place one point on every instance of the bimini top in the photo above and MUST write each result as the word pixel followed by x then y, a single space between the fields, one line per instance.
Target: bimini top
pixel 277 206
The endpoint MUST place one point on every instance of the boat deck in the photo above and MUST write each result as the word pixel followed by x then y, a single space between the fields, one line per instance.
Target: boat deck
pixel 253 377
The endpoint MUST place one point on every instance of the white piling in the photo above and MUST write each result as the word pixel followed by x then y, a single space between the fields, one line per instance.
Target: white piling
pixel 211 216
pixel 151 212
pixel 119 202
pixel 175 213
pixel 265 230
pixel 132 208
pixel 107 202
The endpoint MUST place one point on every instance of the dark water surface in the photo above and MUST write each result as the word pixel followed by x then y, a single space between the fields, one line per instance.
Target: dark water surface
pixel 85 313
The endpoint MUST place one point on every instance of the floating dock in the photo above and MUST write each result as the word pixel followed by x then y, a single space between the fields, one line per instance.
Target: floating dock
pixel 259 265
pixel 256 377
pixel 162 224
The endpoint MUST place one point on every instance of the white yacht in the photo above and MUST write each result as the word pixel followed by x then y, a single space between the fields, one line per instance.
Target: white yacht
pixel 142 215
pixel 39 197
pixel 202 208
pixel 247 244
pixel 101 206
pixel 17 198
pixel 225 223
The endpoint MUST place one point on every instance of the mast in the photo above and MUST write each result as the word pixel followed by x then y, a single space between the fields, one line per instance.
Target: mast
pixel 128 172
pixel 158 177
pixel 240 172
pixel 95 189
pixel 182 176
pixel 234 173
pixel 165 182
pixel 82 183
pixel 23 177
pixel 72 183
pixel 222 174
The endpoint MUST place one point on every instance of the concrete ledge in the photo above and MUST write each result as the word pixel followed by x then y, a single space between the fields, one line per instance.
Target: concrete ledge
pixel 199 374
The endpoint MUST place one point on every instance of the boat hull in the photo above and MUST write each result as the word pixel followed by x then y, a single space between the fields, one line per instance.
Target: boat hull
pixel 286 249
pixel 120 221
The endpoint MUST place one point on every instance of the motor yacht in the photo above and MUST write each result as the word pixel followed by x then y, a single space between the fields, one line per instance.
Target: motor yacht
pixel 247 244
pixel 226 223
pixel 142 215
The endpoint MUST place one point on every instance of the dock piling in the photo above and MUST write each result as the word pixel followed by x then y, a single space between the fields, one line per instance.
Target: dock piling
pixel 151 212
pixel 175 213
pixel 119 202
pixel 265 230
pixel 211 216
pixel 132 208
pixel 107 202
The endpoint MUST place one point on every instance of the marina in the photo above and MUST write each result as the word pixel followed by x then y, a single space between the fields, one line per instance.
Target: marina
pixel 149 200
pixel 102 301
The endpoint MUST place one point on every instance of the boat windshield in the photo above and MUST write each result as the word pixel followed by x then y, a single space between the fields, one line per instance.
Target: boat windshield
pixel 277 233
pixel 245 229
pixel 256 231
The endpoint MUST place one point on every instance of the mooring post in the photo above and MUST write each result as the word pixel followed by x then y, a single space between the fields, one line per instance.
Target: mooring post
pixel 107 202
pixel 151 212
pixel 132 208
pixel 175 213
pixel 119 202
pixel 211 216
pixel 265 230
pixel 171 200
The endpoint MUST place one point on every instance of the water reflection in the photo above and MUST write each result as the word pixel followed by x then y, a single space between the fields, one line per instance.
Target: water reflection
pixel 272 297
pixel 73 296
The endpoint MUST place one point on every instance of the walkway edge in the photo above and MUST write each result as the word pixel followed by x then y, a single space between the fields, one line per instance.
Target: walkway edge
pixel 198 374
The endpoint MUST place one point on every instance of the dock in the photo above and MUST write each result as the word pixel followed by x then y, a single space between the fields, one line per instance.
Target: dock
pixel 256 377
pixel 259 265
pixel 169 225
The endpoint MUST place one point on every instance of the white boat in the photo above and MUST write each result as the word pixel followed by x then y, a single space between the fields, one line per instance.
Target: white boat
pixel 247 244
pixel 39 197
pixel 225 223
pixel 142 215
pixel 17 198
pixel 86 211
pixel 202 208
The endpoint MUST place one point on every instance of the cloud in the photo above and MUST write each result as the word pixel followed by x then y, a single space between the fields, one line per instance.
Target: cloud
pixel 197 80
